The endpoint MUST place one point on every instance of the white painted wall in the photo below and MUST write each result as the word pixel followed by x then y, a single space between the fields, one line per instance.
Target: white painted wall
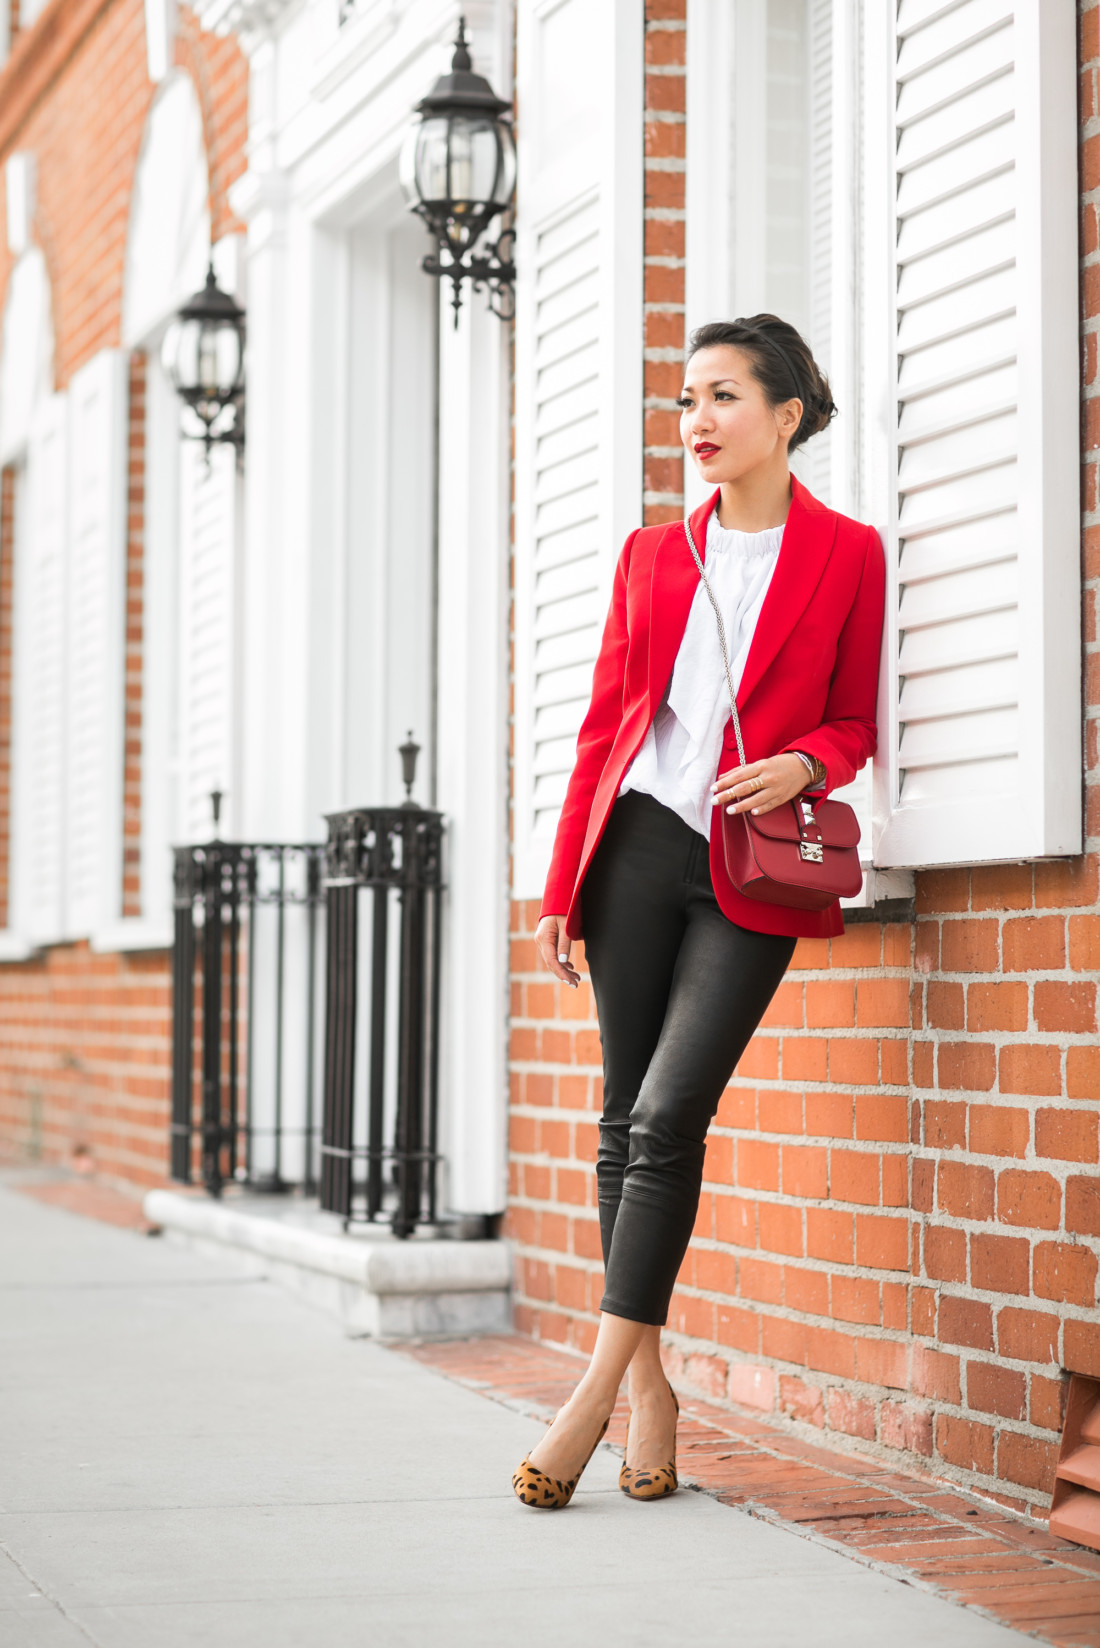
pixel 339 503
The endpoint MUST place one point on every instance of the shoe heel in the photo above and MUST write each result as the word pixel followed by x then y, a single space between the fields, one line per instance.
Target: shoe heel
pixel 654 1484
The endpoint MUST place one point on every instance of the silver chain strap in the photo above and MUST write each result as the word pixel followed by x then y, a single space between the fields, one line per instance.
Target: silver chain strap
pixel 722 640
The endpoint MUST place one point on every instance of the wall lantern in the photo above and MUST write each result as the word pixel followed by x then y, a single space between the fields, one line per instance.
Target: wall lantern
pixel 203 355
pixel 458 170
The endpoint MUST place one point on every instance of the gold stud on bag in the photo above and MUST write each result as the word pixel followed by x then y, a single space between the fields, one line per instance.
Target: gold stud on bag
pixel 800 854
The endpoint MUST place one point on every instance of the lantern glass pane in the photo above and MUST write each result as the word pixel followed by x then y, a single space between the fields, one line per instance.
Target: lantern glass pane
pixel 475 151
pixel 430 169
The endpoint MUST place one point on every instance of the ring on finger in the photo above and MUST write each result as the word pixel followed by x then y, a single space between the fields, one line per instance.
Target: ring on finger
pixel 756 784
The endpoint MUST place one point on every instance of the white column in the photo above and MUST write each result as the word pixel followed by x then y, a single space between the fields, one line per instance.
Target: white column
pixel 472 773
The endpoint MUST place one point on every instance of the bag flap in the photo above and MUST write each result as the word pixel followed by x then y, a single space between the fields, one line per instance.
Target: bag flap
pixel 836 820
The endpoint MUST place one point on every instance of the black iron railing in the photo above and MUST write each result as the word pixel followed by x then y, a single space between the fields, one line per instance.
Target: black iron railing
pixel 245 980
pixel 379 1157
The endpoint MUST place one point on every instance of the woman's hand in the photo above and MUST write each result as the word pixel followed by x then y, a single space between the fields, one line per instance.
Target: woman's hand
pixel 554 944
pixel 761 785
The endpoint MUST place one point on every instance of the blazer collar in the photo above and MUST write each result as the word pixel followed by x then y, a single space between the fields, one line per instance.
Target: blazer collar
pixel 807 539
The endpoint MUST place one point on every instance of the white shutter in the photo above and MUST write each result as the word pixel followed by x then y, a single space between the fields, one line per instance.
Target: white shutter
pixel 578 424
pixel 207 693
pixel 96 643
pixel 38 787
pixel 982 723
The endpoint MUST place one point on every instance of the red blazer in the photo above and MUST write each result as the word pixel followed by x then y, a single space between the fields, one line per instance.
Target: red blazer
pixel 810 683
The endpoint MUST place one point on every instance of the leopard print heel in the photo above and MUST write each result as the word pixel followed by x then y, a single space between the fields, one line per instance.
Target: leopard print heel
pixel 650 1484
pixel 547 1493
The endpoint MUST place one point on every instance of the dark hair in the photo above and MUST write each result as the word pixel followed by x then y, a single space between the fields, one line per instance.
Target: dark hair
pixel 781 364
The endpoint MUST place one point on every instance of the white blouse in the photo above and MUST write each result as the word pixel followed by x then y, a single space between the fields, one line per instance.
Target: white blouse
pixel 678 761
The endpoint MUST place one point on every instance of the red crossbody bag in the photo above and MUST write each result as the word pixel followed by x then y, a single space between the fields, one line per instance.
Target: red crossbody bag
pixel 801 854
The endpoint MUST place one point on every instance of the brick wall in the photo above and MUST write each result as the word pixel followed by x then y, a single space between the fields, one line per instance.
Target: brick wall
pixel 84 1071
pixel 900 1222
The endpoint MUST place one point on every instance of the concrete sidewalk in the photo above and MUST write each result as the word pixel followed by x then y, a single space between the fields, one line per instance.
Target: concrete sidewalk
pixel 192 1458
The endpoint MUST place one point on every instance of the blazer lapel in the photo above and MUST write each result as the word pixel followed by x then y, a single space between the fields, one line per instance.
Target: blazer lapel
pixel 673 583
pixel 807 540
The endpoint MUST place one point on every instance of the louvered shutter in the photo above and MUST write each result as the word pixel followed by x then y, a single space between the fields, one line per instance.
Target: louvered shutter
pixel 578 418
pixel 982 722
pixel 38 788
pixel 207 694
pixel 96 645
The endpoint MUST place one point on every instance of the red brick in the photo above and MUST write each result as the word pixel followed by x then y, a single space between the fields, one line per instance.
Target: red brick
pixel 1027 1335
pixel 923 1320
pixel 883 1002
pixel 992 1007
pixel 853 1062
pixel 801 1401
pixel 1030 1068
pixel 881 1117
pixel 854 1176
pixel 1083 1073
pixel 883 1362
pixel 856 1299
pixel 941 891
pixel 1066 881
pixel 881 1242
pixel 738 1328
pixel 829 1115
pixel 1068 1135
pixel 806 1290
pixel 1084 943
pixel 757 1164
pixel 1065 1272
pixel 779 1112
pixel 945 1008
pixel 1027 1198
pixel 829 1003
pixel 785 1009
pixel 965 1191
pixel 829 1235
pixel 966 1064
pixel 805 1171
pixel 665 92
pixel 1026 1460
pixel 990 1389
pixel 859 947
pixel 780 1228
pixel 760 1280
pixel 965 1322
pixel 1065 1007
pixel 969 946
pixel 1083 1205
pixel 907 1426
pixel 999 1130
pixel 944 1125
pixel 852 1415
pixel 735 1220
pixel 1047 1399
pixel 922 1184
pixel 965 1443
pixel 1034 943
pixel 1000 1264
pixel 783 1340
pixel 935 1374
pixel 1082 1349
pixel 895 1181
pixel 923 1060
pixel 944 1253
pixel 1001 887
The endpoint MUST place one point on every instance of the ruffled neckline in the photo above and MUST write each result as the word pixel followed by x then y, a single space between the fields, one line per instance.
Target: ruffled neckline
pixel 721 538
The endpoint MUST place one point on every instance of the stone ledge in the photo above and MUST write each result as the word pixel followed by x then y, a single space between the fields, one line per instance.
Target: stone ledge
pixel 374 1284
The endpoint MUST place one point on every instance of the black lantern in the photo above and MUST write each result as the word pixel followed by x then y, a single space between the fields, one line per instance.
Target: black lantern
pixel 203 354
pixel 458 170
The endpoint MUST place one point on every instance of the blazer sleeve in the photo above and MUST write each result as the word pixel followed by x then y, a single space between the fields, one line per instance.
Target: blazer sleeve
pixel 848 735
pixel 594 741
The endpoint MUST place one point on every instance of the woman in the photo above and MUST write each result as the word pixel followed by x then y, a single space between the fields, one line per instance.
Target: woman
pixel 682 965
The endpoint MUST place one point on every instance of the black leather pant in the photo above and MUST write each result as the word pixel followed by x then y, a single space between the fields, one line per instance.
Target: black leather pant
pixel 679 990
